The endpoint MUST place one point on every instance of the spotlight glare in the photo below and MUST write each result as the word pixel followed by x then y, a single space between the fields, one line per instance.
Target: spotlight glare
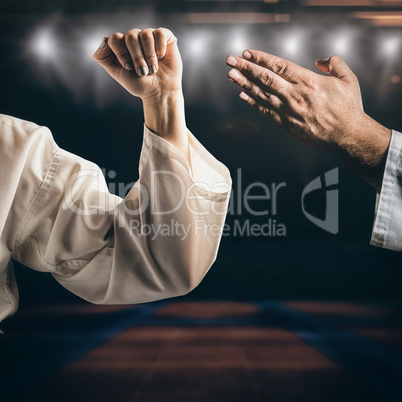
pixel 44 45
pixel 197 46
pixel 291 45
pixel 91 44
pixel 390 46
pixel 341 45
pixel 238 45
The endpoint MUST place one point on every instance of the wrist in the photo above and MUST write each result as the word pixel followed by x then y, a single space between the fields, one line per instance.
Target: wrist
pixel 366 141
pixel 165 116
pixel 170 97
pixel 364 147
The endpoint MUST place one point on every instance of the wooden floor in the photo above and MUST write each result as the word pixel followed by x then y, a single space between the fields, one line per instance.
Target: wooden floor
pixel 204 351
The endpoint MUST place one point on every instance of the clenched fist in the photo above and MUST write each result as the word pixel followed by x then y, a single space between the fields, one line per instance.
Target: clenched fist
pixel 145 62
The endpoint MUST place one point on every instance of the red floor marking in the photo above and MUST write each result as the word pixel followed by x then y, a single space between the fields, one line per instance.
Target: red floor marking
pixel 204 363
pixel 201 364
pixel 335 308
pixel 207 310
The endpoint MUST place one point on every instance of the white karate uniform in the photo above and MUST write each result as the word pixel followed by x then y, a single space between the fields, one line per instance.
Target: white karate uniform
pixel 57 216
pixel 387 229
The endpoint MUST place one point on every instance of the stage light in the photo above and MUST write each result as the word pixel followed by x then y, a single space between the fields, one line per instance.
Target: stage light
pixel 391 46
pixel 44 45
pixel 197 46
pixel 238 45
pixel 341 45
pixel 291 45
pixel 90 44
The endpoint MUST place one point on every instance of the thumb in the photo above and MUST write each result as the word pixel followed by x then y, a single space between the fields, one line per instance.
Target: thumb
pixel 335 66
pixel 106 58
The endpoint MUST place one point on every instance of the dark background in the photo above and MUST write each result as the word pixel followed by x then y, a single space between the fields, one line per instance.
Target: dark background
pixel 90 115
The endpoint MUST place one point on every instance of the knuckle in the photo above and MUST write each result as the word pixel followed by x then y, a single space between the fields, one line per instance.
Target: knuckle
pixel 251 88
pixel 261 58
pixel 145 35
pixel 266 79
pixel 257 57
pixel 268 112
pixel 264 96
pixel 247 85
pixel 115 37
pixel 138 60
pixel 160 33
pixel 152 57
pixel 295 123
pixel 245 66
pixel 296 100
pixel 131 35
pixel 334 58
pixel 311 83
pixel 279 67
pixel 133 32
pixel 160 37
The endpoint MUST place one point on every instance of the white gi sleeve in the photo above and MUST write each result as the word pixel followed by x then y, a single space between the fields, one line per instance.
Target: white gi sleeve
pixel 157 242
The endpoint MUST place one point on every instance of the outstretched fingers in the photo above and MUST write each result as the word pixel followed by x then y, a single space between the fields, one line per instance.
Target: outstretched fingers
pixel 267 110
pixel 249 75
pixel 280 67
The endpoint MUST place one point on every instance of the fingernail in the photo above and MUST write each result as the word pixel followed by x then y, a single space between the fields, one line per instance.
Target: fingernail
pixel 143 70
pixel 160 58
pixel 326 60
pixel 129 66
pixel 243 96
pixel 247 55
pixel 152 70
pixel 104 43
pixel 231 61
pixel 234 74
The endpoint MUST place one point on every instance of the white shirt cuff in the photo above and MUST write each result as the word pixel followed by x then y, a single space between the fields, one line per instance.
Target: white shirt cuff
pixel 387 229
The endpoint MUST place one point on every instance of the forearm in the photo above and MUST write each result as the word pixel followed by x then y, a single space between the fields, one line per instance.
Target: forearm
pixel 365 150
pixel 165 116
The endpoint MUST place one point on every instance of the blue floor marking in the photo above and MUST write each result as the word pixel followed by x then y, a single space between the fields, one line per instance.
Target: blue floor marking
pixel 39 356
pixel 378 366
